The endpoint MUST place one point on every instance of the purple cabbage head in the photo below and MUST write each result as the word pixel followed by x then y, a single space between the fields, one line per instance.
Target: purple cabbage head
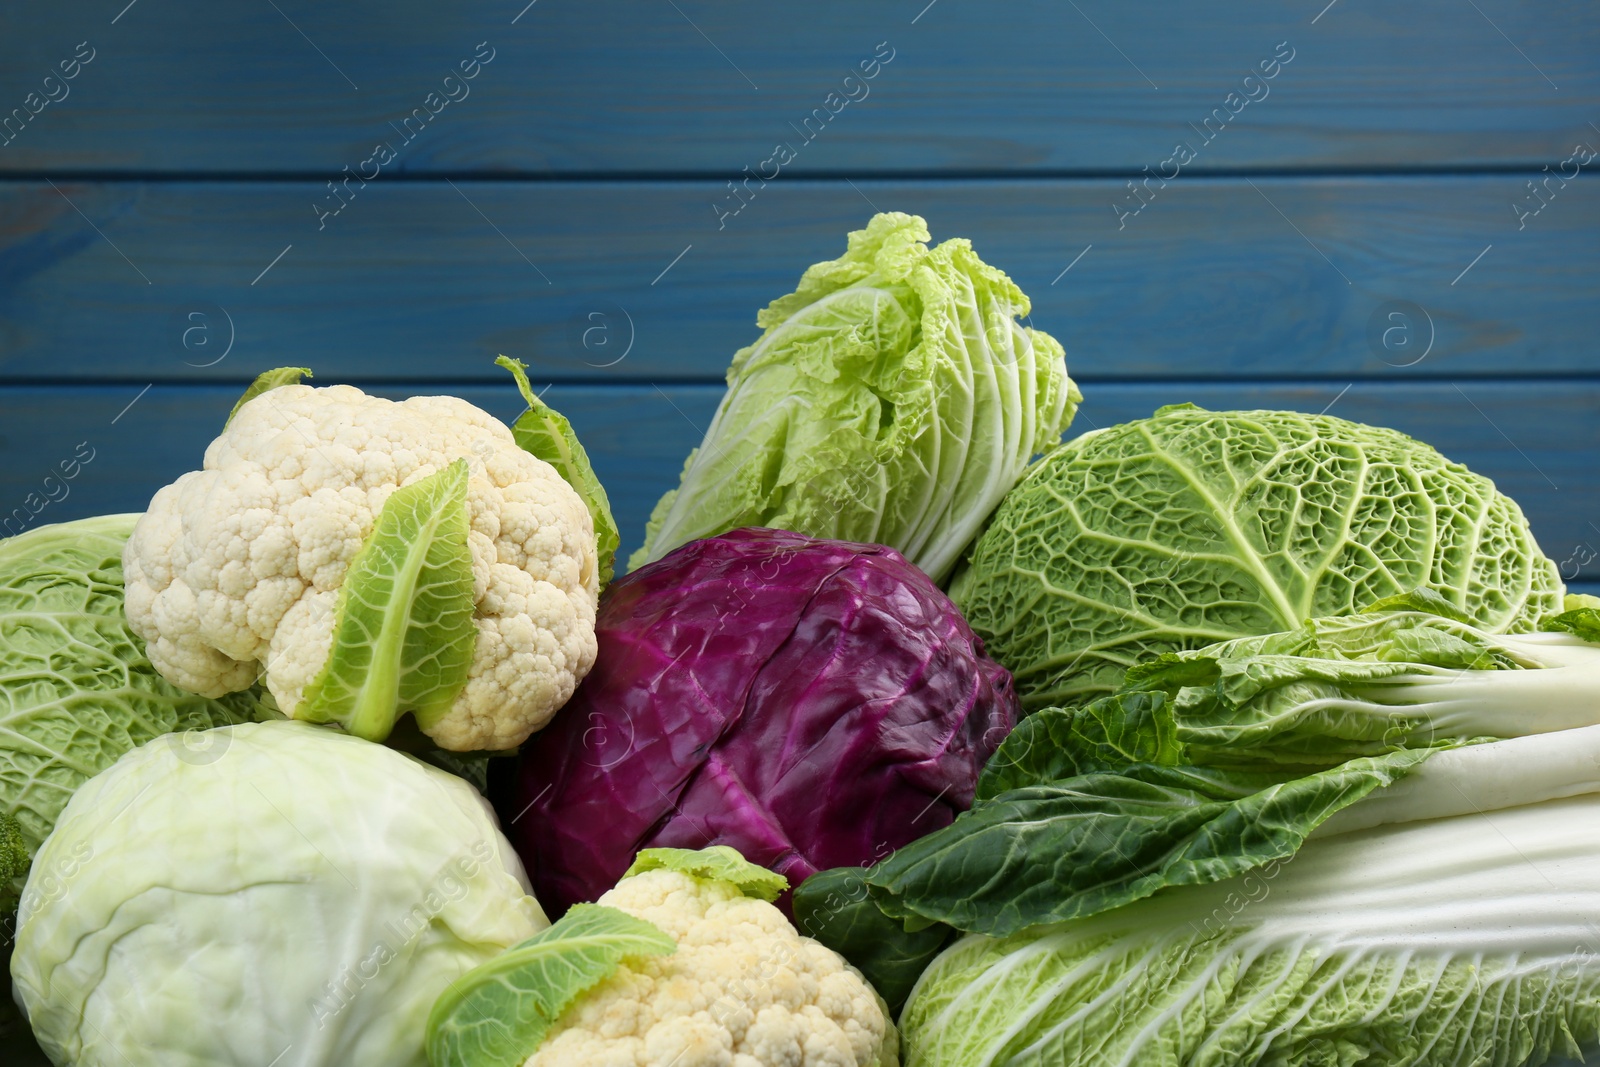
pixel 811 703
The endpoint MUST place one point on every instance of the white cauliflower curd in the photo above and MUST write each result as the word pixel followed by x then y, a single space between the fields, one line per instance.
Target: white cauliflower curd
pixel 743 989
pixel 235 571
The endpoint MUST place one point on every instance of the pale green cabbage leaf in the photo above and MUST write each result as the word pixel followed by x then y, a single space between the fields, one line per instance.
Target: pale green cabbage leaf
pixel 894 398
pixel 1193 527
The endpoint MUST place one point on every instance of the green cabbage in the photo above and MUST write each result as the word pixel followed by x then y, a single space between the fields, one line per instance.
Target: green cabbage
pixel 279 893
pixel 1192 527
pixel 76 690
pixel 893 399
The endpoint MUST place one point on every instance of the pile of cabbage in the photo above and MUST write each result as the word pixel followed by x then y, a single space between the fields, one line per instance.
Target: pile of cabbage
pixel 914 734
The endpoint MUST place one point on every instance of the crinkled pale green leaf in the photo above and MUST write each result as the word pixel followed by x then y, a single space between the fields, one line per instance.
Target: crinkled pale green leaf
pixel 498 1014
pixel 1456 942
pixel 718 863
pixel 1192 527
pixel 1358 685
pixel 403 629
pixel 1074 848
pixel 544 432
pixel 76 689
pixel 268 380
pixel 1420 599
pixel 835 907
pixel 1582 621
pixel 1107 734
pixel 14 856
pixel 894 398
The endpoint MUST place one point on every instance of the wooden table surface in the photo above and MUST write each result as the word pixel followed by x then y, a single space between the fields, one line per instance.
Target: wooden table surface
pixel 1381 210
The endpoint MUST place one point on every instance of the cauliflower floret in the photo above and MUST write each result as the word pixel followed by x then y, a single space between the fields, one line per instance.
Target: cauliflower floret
pixel 744 989
pixel 234 570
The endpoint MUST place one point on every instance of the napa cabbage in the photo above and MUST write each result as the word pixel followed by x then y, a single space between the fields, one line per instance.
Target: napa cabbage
pixel 1445 942
pixel 894 398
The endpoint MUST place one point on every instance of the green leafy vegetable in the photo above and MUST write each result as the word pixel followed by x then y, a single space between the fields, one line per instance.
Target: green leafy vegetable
pixel 266 381
pixel 893 398
pixel 835 907
pixel 717 863
pixel 1107 734
pixel 544 432
pixel 1363 684
pixel 14 856
pixel 403 631
pixel 1446 942
pixel 498 1014
pixel 1193 527
pixel 76 688
pixel 1580 619
pixel 1069 849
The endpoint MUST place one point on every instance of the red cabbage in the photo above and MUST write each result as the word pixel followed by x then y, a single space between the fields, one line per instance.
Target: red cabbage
pixel 811 703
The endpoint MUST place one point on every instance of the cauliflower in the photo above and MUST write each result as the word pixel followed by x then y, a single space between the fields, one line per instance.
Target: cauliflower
pixel 743 989
pixel 236 570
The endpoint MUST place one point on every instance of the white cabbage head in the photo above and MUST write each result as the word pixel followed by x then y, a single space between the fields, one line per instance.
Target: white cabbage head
pixel 267 893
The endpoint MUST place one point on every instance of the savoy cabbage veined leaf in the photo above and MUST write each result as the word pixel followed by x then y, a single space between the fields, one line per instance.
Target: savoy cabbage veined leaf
pixel 1192 527
pixel 76 688
pixel 1456 942
pixel 894 399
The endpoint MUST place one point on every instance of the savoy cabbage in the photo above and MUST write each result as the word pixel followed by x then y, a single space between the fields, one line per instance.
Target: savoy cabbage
pixel 1193 526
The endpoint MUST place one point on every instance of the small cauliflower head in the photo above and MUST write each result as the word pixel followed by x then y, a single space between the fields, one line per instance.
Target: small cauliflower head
pixel 743 989
pixel 235 571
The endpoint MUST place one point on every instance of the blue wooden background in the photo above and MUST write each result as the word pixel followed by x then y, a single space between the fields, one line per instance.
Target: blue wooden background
pixel 1398 225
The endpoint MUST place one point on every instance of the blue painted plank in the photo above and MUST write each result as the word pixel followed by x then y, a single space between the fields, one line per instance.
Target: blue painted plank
pixel 1538 441
pixel 644 87
pixel 617 281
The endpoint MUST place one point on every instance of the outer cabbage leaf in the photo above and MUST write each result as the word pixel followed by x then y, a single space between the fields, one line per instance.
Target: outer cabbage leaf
pixel 76 689
pixel 1193 527
pixel 403 630
pixel 1454 942
pixel 893 398
pixel 499 1014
